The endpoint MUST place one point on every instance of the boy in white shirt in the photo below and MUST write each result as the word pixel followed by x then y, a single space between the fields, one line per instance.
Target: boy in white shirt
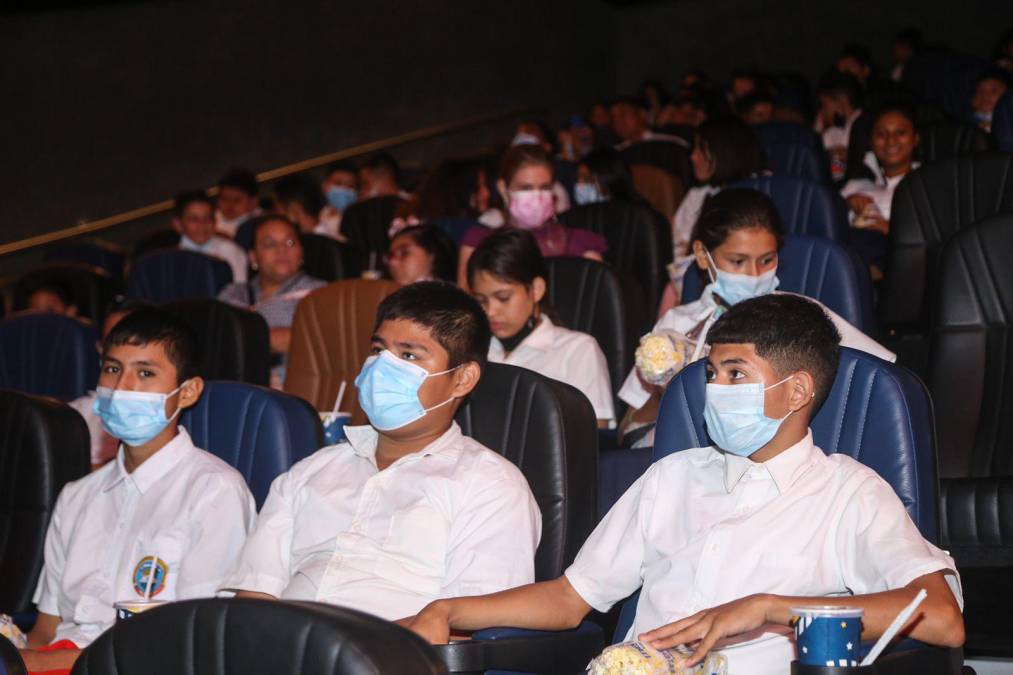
pixel 408 509
pixel 194 219
pixel 725 539
pixel 165 520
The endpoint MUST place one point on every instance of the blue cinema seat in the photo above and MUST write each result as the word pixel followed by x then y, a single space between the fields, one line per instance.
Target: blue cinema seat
pixel 806 206
pixel 174 274
pixel 1002 123
pixel 48 355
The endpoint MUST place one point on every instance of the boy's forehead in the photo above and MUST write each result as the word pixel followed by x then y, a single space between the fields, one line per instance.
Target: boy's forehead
pixel 151 352
pixel 743 352
pixel 405 330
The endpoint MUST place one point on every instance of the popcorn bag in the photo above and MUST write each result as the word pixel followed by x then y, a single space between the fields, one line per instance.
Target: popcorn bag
pixel 662 354
pixel 636 658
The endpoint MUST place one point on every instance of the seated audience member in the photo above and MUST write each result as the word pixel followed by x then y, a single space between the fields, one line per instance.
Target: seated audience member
pixel 988 89
pixel 341 186
pixel 103 446
pixel 507 276
pixel 533 132
pixel 301 200
pixel 51 297
pixel 603 176
pixel 630 124
pixel 453 195
pixel 855 60
pixel 408 509
pixel 735 245
pixel 725 539
pixel 906 45
pixel 525 184
pixel 422 253
pixel 194 219
pixel 601 125
pixel 165 520
pixel 654 96
pixel 840 104
pixel 744 81
pixel 378 177
pixel 756 107
pixel 279 283
pixel 724 151
pixel 237 201
pixel 576 140
pixel 893 141
pixel 682 116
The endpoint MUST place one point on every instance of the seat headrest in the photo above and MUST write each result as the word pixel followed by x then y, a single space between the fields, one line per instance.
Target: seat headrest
pixel 48 355
pixel 806 206
pixel 232 343
pixel 175 274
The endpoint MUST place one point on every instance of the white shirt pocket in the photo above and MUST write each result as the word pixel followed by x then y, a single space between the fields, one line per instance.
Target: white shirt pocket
pixel 417 544
pixel 158 560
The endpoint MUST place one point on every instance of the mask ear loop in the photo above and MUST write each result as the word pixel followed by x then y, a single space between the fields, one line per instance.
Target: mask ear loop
pixel 711 269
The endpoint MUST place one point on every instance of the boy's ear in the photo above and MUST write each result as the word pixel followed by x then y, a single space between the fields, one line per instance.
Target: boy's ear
pixel 190 391
pixel 802 391
pixel 466 379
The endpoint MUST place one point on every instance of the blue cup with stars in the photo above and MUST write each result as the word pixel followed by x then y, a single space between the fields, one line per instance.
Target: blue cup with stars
pixel 827 636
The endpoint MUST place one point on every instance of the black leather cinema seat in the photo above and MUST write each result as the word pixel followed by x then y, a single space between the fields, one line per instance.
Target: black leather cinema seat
pixel 798 161
pixel 174 274
pixel 48 355
pixel 233 343
pixel 92 288
pixel 1002 123
pixel 43 445
pixel 945 140
pixel 806 207
pixel 256 637
pixel 365 224
pixel 930 205
pixel 639 244
pixel 323 257
pixel 590 297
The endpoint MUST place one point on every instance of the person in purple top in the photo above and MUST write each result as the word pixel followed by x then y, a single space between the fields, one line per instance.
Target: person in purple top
pixel 525 183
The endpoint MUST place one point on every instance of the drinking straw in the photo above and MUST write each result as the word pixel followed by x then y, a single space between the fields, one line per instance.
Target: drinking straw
pixel 341 395
pixel 893 629
pixel 151 577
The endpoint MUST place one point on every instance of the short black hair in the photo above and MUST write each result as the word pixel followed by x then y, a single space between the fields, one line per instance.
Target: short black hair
pixel 241 179
pixel 382 163
pixel 342 165
pixel 790 332
pixel 58 288
pixel 438 245
pixel 188 197
pixel 454 318
pixel 993 73
pixel 303 191
pixel 835 83
pixel 150 324
pixel 612 172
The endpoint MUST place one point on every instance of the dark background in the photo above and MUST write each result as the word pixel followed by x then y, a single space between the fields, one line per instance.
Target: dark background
pixel 111 106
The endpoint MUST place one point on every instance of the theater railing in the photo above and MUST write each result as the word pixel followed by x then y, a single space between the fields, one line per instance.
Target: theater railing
pixel 425 134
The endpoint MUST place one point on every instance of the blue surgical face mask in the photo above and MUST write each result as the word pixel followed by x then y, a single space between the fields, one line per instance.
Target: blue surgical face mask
pixel 134 417
pixel 734 288
pixel 341 196
pixel 389 391
pixel 735 419
pixel 587 193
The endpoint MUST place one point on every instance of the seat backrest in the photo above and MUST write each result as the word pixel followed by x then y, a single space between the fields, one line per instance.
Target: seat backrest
pixel 548 429
pixel 672 157
pixel 174 274
pixel 256 637
pixel 232 343
pixel 94 252
pixel 48 355
pixel 878 413
pixel 590 297
pixel 930 205
pixel 816 268
pixel 639 244
pixel 366 224
pixel 944 140
pixel 971 355
pixel 92 288
pixel 1002 123
pixel 806 207
pixel 945 79
pixel 788 133
pixel 330 340
pixel 156 241
pixel 798 161
pixel 44 445
pixel 323 257
pixel 259 431
pixel 661 189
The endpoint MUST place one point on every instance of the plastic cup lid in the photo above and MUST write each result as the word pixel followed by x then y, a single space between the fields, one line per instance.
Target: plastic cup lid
pixel 829 610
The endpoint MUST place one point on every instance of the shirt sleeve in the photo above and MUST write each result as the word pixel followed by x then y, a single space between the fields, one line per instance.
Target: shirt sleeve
pixel 493 539
pixel 238 261
pixel 264 563
pixel 221 518
pixel 598 385
pixel 47 591
pixel 235 294
pixel 608 566
pixel 879 548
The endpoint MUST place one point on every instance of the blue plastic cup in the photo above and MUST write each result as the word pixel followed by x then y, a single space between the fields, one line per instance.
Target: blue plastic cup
pixel 827 636
pixel 334 426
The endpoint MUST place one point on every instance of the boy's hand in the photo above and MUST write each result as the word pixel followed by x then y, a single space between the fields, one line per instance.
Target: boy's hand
pixel 431 623
pixel 711 625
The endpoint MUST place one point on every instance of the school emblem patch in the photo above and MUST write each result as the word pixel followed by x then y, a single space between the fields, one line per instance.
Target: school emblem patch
pixel 143 575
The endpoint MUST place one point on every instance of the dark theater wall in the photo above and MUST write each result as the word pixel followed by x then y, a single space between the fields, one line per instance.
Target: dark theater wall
pixel 114 106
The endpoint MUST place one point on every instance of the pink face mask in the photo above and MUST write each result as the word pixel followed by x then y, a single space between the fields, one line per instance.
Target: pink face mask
pixel 532 208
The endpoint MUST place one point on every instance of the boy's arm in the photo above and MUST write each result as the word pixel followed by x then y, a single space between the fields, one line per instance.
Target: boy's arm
pixel 547 605
pixel 938 620
pixel 43 631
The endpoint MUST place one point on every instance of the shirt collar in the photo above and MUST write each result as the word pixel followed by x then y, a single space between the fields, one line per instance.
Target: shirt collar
pixel 542 338
pixel 785 469
pixel 153 468
pixel 363 439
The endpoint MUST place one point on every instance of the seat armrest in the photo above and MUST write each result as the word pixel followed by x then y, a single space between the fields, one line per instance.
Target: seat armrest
pixel 911 657
pixel 526 651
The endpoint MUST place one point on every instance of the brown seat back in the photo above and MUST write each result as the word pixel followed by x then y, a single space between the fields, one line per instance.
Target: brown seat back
pixel 661 189
pixel 330 340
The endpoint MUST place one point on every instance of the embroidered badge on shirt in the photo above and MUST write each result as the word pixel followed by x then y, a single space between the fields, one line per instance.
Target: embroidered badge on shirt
pixel 143 576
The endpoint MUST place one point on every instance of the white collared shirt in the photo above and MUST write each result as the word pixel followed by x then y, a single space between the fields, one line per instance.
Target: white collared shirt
pixel 684 318
pixel 453 519
pixel 701 528
pixel 223 249
pixel 183 506
pixel 565 355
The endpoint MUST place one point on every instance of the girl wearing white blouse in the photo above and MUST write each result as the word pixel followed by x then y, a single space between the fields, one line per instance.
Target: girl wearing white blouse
pixel 506 274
